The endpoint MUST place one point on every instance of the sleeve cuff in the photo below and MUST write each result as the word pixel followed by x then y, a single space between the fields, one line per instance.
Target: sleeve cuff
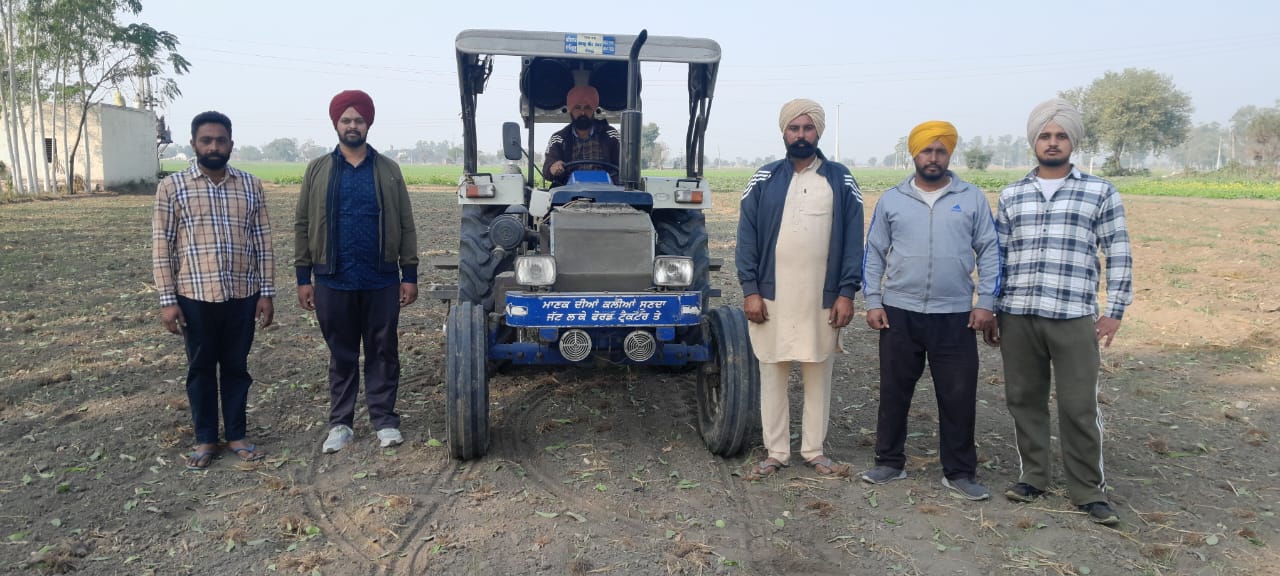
pixel 304 275
pixel 849 291
pixel 409 274
pixel 168 300
pixel 986 302
pixel 750 287
pixel 874 302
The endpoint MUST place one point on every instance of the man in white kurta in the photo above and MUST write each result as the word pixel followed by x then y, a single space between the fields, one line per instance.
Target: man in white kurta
pixel 796 312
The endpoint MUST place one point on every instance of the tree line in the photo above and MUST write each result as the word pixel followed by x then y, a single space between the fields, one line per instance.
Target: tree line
pixel 60 57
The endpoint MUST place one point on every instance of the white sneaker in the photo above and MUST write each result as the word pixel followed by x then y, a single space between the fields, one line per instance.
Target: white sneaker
pixel 388 437
pixel 339 437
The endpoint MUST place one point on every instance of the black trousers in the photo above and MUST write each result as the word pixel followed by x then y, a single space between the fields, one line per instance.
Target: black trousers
pixel 218 337
pixel 951 349
pixel 347 319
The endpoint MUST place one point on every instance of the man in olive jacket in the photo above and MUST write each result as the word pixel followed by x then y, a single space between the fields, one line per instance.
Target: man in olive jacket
pixel 354 231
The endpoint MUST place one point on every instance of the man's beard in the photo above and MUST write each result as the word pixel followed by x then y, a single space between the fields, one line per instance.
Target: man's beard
pixel 582 123
pixel 931 177
pixel 352 139
pixel 1053 162
pixel 801 149
pixel 212 161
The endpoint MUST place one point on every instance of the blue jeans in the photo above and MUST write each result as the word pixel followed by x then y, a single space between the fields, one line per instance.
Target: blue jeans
pixel 218 337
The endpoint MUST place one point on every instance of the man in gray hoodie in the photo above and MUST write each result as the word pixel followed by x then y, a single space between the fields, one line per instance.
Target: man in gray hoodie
pixel 926 236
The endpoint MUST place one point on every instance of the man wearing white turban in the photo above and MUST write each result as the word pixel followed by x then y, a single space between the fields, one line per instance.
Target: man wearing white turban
pixel 809 210
pixel 1051 226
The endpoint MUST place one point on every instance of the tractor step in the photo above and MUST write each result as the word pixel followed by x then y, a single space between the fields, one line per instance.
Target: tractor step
pixel 446 292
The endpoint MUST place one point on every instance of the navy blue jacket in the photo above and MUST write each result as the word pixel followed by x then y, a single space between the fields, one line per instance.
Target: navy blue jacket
pixel 760 219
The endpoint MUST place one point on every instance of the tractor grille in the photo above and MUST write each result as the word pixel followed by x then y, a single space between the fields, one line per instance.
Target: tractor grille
pixel 602 247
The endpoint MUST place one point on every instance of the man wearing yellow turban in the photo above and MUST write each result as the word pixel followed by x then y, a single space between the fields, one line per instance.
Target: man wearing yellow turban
pixel 810 210
pixel 927 235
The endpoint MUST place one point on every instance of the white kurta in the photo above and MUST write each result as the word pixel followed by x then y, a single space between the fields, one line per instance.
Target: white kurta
pixel 798 328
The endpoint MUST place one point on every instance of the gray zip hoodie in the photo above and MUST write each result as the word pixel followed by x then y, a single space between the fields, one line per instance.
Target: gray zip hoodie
pixel 921 259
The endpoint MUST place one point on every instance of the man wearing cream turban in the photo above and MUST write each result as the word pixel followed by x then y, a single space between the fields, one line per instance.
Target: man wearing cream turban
pixel 585 138
pixel 1052 225
pixel 926 236
pixel 354 231
pixel 809 210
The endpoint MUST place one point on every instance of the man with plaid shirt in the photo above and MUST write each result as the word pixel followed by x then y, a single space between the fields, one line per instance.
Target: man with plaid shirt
pixel 1051 225
pixel 213 266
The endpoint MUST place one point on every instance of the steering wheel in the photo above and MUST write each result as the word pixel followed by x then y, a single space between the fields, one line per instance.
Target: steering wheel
pixel 575 163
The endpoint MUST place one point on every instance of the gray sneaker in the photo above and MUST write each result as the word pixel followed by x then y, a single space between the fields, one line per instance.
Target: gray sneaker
pixel 339 437
pixel 883 474
pixel 967 488
pixel 388 437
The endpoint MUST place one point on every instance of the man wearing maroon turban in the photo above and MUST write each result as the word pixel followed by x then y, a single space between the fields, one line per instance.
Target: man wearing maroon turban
pixel 355 233
pixel 585 138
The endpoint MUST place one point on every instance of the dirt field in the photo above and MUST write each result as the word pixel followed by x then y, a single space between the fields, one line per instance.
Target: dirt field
pixel 602 471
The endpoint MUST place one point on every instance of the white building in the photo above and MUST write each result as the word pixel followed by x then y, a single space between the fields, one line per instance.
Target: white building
pixel 119 148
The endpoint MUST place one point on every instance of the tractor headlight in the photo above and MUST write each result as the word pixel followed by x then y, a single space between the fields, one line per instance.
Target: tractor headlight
pixel 673 271
pixel 536 270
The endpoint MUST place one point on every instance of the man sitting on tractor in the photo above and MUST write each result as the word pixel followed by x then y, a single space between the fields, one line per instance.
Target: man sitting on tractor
pixel 584 139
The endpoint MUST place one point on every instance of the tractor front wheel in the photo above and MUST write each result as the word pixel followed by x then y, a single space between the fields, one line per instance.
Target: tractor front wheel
pixel 728 384
pixel 466 381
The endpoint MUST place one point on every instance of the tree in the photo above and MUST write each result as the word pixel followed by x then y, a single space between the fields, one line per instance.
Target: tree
pixel 1263 138
pixel 309 149
pixel 281 150
pixel 652 152
pixel 248 153
pixel 977 158
pixel 871 161
pixel 1132 111
pixel 1203 149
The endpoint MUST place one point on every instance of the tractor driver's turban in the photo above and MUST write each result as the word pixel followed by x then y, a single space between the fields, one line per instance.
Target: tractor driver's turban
pixel 799 107
pixel 586 95
pixel 924 135
pixel 1055 110
pixel 351 99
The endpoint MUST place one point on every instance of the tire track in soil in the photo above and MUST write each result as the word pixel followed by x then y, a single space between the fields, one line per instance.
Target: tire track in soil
pixel 515 441
pixel 343 530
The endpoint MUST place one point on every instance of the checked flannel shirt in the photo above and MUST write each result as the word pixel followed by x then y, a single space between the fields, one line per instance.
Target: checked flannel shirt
pixel 1050 248
pixel 211 241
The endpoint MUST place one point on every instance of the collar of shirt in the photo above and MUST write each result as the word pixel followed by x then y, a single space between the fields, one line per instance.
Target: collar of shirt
pixel 369 155
pixel 1033 174
pixel 193 172
pixel 590 133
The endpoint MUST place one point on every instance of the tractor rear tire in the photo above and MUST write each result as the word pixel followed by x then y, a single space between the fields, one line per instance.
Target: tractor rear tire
pixel 466 381
pixel 728 384
pixel 478 266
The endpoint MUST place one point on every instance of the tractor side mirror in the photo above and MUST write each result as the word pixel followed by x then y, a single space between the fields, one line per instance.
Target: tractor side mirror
pixel 511 141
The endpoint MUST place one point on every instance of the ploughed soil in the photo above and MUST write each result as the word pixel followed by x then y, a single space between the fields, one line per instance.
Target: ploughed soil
pixel 600 470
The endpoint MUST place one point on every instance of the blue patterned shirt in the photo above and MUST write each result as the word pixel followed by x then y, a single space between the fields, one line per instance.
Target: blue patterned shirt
pixel 1051 265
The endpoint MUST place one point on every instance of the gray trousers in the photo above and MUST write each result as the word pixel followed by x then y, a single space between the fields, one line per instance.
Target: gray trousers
pixel 1034 348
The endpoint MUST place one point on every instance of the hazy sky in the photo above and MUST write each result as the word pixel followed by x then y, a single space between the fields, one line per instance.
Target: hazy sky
pixel 272 66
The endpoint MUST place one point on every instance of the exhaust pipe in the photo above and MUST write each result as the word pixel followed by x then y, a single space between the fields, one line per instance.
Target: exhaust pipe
pixel 575 345
pixel 629 172
pixel 639 346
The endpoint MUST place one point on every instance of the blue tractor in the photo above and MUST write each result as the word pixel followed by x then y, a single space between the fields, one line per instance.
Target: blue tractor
pixel 595 268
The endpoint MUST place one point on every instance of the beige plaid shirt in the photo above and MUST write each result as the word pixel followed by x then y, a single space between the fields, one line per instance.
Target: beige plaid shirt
pixel 211 241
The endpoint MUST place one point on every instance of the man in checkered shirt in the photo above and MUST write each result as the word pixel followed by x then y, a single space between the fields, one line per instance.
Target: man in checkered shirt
pixel 1051 226
pixel 213 267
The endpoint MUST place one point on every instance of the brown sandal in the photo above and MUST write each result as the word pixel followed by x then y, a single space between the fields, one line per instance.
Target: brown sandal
pixel 824 466
pixel 763 469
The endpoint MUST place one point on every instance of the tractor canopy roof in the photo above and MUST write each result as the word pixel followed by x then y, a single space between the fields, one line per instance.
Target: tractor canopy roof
pixel 551 63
